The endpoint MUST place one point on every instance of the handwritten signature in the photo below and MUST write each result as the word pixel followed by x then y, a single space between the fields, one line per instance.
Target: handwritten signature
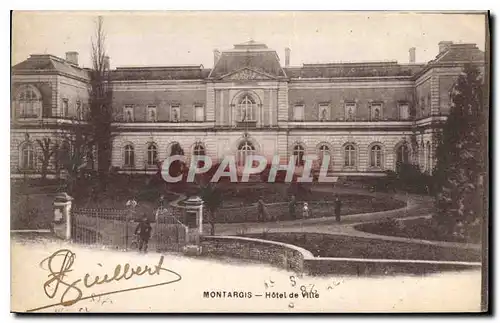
pixel 58 271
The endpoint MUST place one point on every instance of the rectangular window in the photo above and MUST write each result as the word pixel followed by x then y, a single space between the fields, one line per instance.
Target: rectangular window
pixel 128 113
pixel 375 111
pixel 350 111
pixel 152 116
pixel 404 111
pixel 175 113
pixel 298 113
pixel 324 112
pixel 79 112
pixel 65 108
pixel 199 113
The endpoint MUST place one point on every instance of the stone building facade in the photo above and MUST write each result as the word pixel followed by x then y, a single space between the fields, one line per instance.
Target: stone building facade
pixel 367 116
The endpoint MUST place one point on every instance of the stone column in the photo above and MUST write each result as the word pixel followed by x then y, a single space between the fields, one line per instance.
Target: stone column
pixel 62 216
pixel 194 204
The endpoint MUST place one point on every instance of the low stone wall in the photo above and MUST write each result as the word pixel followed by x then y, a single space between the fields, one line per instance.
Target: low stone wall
pixel 297 259
pixel 381 267
pixel 278 254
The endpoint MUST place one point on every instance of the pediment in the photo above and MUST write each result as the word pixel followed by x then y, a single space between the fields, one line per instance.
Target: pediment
pixel 247 74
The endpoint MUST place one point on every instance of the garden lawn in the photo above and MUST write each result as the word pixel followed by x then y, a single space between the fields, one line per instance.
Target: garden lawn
pixel 329 245
pixel 423 229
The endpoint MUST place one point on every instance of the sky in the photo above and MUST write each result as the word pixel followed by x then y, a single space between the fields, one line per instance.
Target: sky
pixel 180 38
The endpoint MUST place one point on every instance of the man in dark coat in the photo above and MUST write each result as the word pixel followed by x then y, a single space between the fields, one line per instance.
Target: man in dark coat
pixel 338 205
pixel 143 230
pixel 291 207
pixel 260 210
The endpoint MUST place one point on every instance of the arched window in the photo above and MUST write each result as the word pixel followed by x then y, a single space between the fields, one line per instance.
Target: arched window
pixel 403 154
pixel 176 149
pixel 376 156
pixel 428 165
pixel 30 102
pixel 152 154
pixel 298 152
pixel 245 149
pixel 199 150
pixel 129 156
pixel 27 156
pixel 247 108
pixel 349 156
pixel 324 150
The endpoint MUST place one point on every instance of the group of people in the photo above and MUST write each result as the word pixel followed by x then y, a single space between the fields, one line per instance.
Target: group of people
pixel 262 214
pixel 144 229
pixel 306 211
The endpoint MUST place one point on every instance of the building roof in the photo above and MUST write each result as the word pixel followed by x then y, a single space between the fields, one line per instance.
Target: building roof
pixel 369 69
pixel 253 55
pixel 257 57
pixel 186 72
pixel 49 64
pixel 460 53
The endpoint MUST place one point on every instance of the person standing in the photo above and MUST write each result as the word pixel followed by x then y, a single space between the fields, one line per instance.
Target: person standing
pixel 143 231
pixel 291 207
pixel 260 210
pixel 161 203
pixel 305 211
pixel 338 206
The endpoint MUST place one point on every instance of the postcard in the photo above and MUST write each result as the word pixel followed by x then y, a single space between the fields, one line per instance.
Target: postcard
pixel 249 162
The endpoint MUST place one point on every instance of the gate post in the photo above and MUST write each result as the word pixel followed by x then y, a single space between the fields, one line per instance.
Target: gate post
pixel 194 206
pixel 62 216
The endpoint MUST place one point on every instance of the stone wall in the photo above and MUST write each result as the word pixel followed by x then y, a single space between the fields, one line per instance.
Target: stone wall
pixel 278 254
pixel 389 96
pixel 186 99
pixel 380 267
pixel 297 259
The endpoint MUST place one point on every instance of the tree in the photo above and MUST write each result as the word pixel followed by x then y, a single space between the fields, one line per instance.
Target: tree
pixel 75 152
pixel 100 101
pixel 461 159
pixel 48 150
pixel 213 200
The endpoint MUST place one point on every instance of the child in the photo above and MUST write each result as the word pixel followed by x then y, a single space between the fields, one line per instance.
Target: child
pixel 305 212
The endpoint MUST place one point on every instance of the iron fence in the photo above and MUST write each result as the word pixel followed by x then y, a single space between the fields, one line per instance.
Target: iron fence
pixel 115 228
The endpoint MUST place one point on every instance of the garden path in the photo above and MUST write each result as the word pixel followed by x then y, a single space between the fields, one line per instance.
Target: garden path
pixel 418 206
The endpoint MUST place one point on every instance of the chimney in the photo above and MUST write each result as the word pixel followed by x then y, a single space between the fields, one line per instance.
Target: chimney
pixel 412 55
pixel 444 46
pixel 106 63
pixel 287 56
pixel 216 56
pixel 72 58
